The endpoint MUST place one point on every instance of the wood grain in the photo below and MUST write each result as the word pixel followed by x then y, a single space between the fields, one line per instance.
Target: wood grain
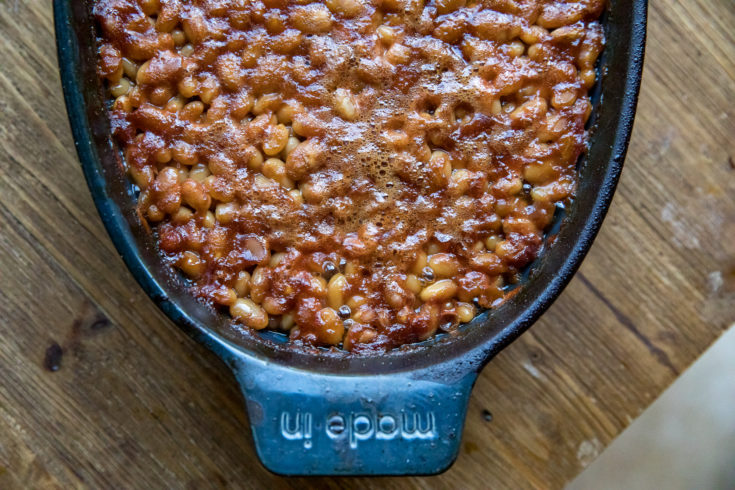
pixel 135 403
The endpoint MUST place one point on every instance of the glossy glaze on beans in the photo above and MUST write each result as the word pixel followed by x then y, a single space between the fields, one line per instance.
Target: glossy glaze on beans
pixel 359 173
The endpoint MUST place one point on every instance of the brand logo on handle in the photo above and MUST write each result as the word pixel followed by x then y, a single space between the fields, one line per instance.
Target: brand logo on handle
pixel 356 427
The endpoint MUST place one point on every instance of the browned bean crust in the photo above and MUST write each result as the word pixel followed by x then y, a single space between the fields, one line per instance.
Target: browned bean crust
pixel 355 172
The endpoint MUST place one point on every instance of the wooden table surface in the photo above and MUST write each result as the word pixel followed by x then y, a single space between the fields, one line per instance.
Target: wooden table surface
pixel 136 403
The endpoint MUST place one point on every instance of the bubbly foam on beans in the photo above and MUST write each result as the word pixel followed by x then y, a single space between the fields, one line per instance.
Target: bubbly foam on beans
pixel 356 173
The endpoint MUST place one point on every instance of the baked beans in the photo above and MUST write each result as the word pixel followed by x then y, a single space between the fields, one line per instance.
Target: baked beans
pixel 357 173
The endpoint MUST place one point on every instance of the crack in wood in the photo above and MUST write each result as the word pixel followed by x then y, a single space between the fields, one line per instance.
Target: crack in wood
pixel 626 321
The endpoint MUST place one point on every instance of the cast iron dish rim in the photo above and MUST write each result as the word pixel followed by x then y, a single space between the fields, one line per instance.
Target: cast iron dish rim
pixel 473 348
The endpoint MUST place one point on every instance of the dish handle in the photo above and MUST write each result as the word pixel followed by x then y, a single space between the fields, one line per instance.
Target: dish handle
pixel 311 423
